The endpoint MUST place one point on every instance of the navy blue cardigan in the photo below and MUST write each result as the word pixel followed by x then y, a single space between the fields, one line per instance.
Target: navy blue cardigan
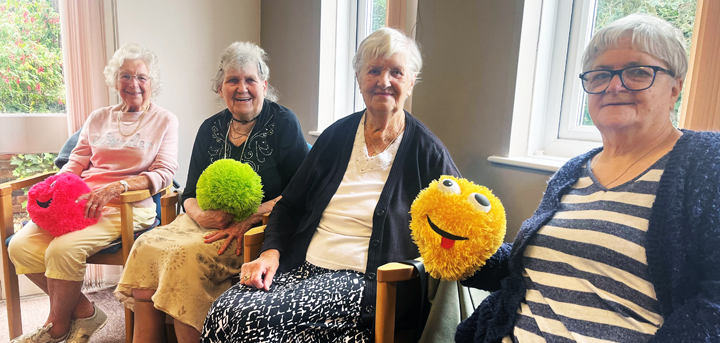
pixel 682 247
pixel 420 158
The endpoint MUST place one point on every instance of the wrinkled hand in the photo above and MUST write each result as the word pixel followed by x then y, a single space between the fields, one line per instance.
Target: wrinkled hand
pixel 260 273
pixel 236 231
pixel 98 198
pixel 214 219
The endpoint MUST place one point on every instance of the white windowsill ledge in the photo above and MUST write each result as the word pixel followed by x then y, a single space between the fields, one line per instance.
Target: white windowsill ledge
pixel 315 133
pixel 549 164
pixel 33 115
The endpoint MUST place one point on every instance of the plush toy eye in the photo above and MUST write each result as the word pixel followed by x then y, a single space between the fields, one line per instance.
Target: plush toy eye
pixel 449 186
pixel 53 184
pixel 480 202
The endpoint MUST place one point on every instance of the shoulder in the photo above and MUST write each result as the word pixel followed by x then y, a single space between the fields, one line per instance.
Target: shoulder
pixel 163 115
pixel 698 144
pixel 281 115
pixel 216 120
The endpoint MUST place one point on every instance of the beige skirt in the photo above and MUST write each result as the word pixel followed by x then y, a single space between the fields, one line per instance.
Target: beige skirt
pixel 187 274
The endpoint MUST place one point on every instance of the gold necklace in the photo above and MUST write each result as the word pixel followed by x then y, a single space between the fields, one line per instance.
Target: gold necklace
pixel 375 149
pixel 139 121
pixel 607 185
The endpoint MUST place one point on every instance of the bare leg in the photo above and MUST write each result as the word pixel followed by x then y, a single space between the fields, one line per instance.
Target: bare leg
pixel 149 321
pixel 186 333
pixel 64 302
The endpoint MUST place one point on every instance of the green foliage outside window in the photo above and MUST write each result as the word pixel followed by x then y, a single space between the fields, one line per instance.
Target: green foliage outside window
pixel 679 13
pixel 31 74
pixel 379 14
pixel 27 165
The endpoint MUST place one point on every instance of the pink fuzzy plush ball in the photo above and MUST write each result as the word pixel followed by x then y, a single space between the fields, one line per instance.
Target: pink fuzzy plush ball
pixel 51 204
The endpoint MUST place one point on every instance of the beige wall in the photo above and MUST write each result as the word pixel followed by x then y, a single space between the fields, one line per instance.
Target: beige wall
pixel 188 36
pixel 290 34
pixel 470 51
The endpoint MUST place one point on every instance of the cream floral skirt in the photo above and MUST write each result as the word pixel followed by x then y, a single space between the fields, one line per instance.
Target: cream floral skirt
pixel 187 274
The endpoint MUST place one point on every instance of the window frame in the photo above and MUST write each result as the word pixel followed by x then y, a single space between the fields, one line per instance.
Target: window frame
pixel 548 94
pixel 343 26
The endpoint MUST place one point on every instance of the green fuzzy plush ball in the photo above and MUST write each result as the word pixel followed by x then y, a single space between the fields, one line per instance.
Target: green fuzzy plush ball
pixel 230 186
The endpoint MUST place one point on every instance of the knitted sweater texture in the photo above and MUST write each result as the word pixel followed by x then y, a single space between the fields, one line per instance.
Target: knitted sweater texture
pixel 682 247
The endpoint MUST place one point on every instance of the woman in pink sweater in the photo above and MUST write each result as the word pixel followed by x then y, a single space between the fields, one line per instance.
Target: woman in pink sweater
pixel 130 146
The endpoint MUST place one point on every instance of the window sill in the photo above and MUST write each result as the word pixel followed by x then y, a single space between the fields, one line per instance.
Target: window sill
pixel 33 115
pixel 315 133
pixel 549 164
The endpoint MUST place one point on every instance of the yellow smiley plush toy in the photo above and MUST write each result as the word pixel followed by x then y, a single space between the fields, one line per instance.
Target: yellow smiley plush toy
pixel 457 225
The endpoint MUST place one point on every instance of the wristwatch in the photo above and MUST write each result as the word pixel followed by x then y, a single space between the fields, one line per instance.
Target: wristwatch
pixel 125 185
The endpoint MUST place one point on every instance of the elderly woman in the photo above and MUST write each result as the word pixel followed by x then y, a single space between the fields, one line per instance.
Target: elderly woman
pixel 130 146
pixel 181 268
pixel 625 245
pixel 344 214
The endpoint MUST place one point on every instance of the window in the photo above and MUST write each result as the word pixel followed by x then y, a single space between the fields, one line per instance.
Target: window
pixel 550 118
pixel 343 25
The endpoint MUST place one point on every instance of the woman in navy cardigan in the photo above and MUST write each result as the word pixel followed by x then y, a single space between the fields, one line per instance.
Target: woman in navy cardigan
pixel 625 246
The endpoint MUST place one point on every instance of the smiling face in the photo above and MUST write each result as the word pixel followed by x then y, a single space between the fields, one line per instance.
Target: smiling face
pixel 243 92
pixel 134 93
pixel 619 109
pixel 457 226
pixel 385 83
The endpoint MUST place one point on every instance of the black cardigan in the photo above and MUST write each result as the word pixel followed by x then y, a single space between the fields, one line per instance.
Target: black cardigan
pixel 420 159
pixel 275 149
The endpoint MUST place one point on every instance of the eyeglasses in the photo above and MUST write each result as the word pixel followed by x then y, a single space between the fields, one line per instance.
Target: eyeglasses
pixel 127 78
pixel 634 78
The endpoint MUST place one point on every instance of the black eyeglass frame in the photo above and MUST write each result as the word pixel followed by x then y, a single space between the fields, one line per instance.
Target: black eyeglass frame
pixel 619 72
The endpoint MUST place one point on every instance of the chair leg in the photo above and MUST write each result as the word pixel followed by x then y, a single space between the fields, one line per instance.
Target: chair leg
pixel 129 325
pixel 10 278
pixel 385 312
pixel 12 297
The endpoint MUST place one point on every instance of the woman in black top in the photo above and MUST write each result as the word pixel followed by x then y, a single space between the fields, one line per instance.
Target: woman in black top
pixel 179 269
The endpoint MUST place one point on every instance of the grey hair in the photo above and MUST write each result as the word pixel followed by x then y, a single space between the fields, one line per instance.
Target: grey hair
pixel 385 42
pixel 238 56
pixel 133 51
pixel 648 34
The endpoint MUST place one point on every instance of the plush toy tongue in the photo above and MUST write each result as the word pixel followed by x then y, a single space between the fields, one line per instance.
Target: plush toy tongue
pixel 447 243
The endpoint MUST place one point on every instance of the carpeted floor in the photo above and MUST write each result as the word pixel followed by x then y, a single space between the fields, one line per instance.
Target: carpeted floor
pixel 35 310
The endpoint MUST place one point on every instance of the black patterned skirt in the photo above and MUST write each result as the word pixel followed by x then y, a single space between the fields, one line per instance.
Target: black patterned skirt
pixel 306 304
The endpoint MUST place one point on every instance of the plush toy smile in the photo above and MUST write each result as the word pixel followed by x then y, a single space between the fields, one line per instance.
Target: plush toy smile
pixel 44 204
pixel 457 225
pixel 448 239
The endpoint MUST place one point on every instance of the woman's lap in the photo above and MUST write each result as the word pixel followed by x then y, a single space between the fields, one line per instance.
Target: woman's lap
pixel 307 304
pixel 187 274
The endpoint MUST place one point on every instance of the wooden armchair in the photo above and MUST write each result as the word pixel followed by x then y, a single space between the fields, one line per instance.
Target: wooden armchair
pixel 387 277
pixel 167 214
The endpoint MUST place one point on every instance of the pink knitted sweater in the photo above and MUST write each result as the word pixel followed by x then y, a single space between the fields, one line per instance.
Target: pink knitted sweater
pixel 103 155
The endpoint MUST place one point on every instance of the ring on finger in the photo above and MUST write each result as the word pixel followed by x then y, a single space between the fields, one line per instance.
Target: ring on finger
pixel 245 277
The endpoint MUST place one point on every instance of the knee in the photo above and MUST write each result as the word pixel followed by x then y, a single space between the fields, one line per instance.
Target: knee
pixel 19 251
pixel 57 254
pixel 143 294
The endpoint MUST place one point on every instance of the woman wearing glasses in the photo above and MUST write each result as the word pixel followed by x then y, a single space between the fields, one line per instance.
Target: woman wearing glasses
pixel 181 268
pixel 130 146
pixel 625 246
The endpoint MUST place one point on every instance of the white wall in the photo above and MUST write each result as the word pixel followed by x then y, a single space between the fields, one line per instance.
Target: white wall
pixel 32 134
pixel 188 37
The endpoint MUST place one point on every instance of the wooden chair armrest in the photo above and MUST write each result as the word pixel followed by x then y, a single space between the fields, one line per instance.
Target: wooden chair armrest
pixel 266 218
pixel 170 199
pixel 8 187
pixel 394 271
pixel 135 196
pixel 252 242
pixel 387 277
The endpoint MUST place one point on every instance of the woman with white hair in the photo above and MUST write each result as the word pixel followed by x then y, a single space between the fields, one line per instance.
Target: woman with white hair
pixel 344 214
pixel 625 246
pixel 130 146
pixel 181 268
